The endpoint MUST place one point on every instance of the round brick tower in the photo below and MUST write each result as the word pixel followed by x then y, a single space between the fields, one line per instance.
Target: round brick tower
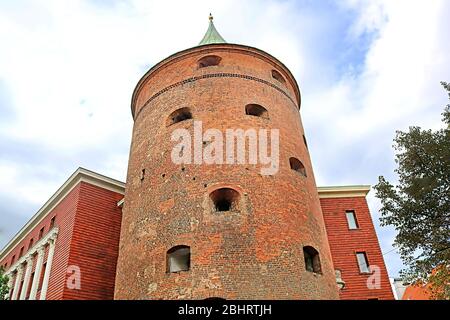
pixel 202 230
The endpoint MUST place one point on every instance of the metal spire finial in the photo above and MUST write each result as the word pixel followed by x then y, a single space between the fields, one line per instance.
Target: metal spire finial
pixel 211 35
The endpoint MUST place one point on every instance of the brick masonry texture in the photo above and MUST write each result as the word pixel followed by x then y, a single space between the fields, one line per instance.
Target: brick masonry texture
pixel 344 244
pixel 255 253
pixel 95 242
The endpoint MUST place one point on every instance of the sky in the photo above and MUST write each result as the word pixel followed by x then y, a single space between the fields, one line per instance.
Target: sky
pixel 365 68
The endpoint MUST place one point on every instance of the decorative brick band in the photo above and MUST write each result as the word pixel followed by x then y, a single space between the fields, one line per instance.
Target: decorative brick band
pixel 213 75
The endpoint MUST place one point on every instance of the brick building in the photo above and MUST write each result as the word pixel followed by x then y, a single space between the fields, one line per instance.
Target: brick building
pixel 68 233
pixel 197 231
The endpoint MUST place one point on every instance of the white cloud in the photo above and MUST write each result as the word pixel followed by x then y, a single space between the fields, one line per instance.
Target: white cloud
pixel 397 87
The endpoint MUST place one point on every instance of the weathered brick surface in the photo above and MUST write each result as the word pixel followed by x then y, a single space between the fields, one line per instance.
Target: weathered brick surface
pixel 255 253
pixel 344 244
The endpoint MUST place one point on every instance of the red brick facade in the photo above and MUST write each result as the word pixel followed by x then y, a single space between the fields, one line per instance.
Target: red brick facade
pixel 87 219
pixel 345 243
pixel 256 252
pixel 95 242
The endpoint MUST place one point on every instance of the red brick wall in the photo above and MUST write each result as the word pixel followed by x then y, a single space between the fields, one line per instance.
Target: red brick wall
pixel 95 243
pixel 344 244
pixel 256 253
pixel 89 221
pixel 65 216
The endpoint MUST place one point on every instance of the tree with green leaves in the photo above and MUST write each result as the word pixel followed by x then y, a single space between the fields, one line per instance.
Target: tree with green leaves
pixel 4 290
pixel 419 205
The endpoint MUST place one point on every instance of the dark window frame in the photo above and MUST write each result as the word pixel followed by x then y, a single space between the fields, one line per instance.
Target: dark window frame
pixel 366 261
pixel 353 212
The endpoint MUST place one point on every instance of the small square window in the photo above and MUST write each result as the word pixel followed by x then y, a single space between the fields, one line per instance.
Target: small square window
pixel 178 259
pixel 351 219
pixel 362 262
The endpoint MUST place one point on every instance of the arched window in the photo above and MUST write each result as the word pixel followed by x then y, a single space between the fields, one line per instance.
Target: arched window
pixel 225 199
pixel 209 61
pixel 179 115
pixel 178 259
pixel 312 260
pixel 297 165
pixel 277 76
pixel 256 110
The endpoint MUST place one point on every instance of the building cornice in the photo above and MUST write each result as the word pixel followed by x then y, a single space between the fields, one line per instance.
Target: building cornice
pixel 343 191
pixel 80 175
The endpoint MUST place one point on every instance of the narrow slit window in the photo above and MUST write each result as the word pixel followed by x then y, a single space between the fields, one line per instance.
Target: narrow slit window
pixel 351 219
pixel 41 233
pixel 363 263
pixel 179 259
pixel 52 222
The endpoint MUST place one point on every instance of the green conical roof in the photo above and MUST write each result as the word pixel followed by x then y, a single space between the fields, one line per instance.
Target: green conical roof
pixel 211 35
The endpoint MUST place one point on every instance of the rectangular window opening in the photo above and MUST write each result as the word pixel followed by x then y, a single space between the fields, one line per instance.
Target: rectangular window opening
pixel 351 219
pixel 362 262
